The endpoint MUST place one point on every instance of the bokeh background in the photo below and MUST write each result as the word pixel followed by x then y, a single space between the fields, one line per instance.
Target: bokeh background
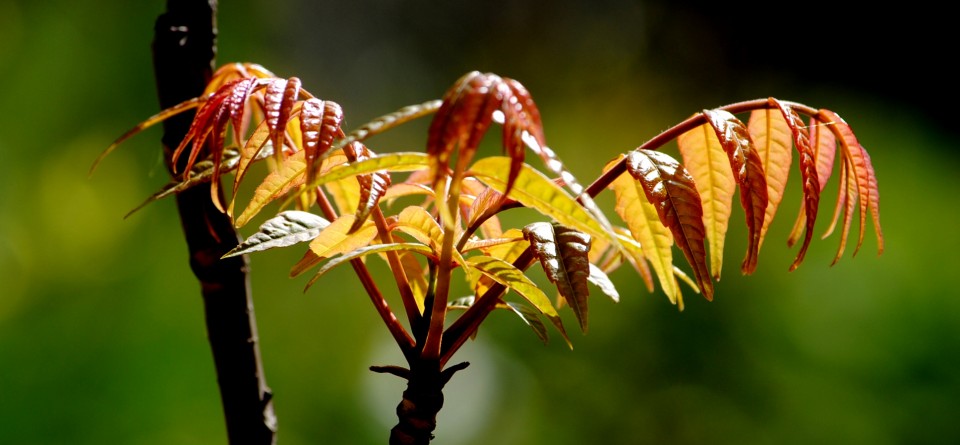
pixel 101 332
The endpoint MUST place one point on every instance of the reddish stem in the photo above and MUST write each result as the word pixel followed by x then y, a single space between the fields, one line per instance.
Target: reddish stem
pixel 396 329
pixel 688 124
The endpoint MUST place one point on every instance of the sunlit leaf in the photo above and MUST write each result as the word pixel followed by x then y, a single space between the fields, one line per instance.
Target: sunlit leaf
pixel 414 272
pixel 704 158
pixel 416 222
pixel 287 176
pixel 643 221
pixel 487 244
pixel 372 185
pixel 204 123
pixel 387 122
pixel 772 138
pixel 202 172
pixel 278 103
pixel 529 316
pixel 563 253
pixel 364 251
pixel 671 189
pixel 345 193
pixel 534 190
pixel 809 178
pixel 334 240
pixel 631 251
pixel 394 162
pixel 859 174
pixel 320 124
pixel 874 201
pixel 285 229
pixel 406 189
pixel 748 173
pixel 600 279
pixel 514 279
pixel 462 119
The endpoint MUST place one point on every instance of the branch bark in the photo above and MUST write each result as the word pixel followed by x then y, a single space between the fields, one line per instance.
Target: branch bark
pixel 184 50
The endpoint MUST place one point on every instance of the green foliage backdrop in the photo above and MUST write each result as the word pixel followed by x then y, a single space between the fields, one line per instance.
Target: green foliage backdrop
pixel 101 334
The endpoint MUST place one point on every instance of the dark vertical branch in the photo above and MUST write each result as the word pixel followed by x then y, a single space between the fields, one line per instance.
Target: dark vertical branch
pixel 184 48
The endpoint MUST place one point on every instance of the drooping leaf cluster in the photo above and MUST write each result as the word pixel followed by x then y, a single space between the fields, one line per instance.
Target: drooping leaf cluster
pixel 248 115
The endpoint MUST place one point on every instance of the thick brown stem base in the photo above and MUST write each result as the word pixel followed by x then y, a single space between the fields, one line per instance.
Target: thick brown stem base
pixel 422 400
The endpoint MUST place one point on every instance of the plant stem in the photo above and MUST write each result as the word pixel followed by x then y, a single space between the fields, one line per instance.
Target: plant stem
pixel 184 48
pixel 422 400
pixel 674 132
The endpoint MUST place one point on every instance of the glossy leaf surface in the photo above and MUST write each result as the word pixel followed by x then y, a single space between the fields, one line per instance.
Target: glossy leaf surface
pixel 285 229
pixel 563 253
pixel 671 189
pixel 748 173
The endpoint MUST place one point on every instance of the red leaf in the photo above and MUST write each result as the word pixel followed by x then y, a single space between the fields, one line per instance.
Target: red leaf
pixel 808 175
pixel 859 173
pixel 748 172
pixel 672 191
pixel 372 186
pixel 203 123
pixel 278 102
pixel 320 124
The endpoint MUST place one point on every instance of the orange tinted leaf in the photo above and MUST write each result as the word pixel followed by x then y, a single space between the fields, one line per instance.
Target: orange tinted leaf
pixel 372 186
pixel 671 189
pixel 416 222
pixel 859 174
pixel 874 201
pixel 364 251
pixel 808 175
pixel 415 277
pixel 772 138
pixel 632 251
pixel 204 123
pixel 336 239
pixel 278 100
pixel 643 221
pixel 824 145
pixel 708 164
pixel 287 176
pixel 534 190
pixel 463 117
pixel 320 124
pixel 748 172
pixel 849 202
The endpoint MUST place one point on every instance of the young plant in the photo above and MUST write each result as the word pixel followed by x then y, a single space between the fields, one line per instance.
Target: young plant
pixel 247 115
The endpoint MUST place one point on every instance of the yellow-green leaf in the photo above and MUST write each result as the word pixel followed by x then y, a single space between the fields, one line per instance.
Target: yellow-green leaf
pixel 287 176
pixel 704 158
pixel 748 173
pixel 672 191
pixel 644 224
pixel 534 190
pixel 514 279
pixel 364 251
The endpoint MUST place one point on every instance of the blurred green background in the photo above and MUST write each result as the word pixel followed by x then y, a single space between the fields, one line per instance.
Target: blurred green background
pixel 101 333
